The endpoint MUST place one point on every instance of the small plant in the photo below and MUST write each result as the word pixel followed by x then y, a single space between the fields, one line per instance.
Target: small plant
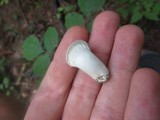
pixel 74 18
pixel 6 85
pixel 137 10
pixel 40 53
pixel 131 10
pixel 88 8
pixel 4 2
pixel 64 10
pixel 84 17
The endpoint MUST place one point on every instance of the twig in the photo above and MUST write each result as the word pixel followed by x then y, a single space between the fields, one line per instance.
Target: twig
pixel 20 74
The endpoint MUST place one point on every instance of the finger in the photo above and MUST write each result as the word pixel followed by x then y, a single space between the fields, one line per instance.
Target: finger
pixel 50 98
pixel 84 90
pixel 144 98
pixel 113 95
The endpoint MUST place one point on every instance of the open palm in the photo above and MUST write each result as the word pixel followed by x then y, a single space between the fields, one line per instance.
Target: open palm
pixel 130 94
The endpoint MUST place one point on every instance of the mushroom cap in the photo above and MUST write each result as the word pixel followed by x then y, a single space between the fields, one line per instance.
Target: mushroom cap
pixel 74 50
pixel 79 55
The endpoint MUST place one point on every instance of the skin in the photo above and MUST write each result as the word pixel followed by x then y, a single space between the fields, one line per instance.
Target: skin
pixel 130 94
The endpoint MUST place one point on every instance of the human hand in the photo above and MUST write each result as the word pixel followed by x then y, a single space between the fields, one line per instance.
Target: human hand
pixel 130 94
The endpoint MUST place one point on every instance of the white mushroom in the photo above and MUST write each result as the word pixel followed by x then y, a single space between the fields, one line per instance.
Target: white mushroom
pixel 79 55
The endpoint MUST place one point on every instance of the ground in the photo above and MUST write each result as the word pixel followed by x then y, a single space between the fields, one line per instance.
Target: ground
pixel 20 19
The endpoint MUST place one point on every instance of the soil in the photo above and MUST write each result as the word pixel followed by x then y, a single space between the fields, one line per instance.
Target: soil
pixel 19 19
pixel 152 37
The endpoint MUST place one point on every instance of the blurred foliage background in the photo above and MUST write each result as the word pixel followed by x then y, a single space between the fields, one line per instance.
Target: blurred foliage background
pixel 30 32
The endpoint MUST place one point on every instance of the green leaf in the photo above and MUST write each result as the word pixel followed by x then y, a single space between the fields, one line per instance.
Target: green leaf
pixel 69 8
pixel 136 17
pixel 58 16
pixel 8 93
pixel 156 7
pixel 72 19
pixel 51 39
pixel 152 16
pixel 60 9
pixel 6 82
pixel 31 47
pixel 90 6
pixel 148 4
pixel 123 12
pixel 41 64
pixel 11 88
pixel 1 87
pixel 3 2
